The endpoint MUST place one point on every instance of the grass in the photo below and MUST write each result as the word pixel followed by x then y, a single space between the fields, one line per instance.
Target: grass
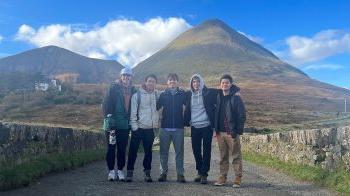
pixel 24 174
pixel 338 180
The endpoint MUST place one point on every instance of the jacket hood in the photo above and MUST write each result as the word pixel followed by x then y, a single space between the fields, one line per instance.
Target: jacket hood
pixel 201 82
pixel 234 89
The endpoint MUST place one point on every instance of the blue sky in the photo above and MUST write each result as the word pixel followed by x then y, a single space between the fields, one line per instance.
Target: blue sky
pixel 311 35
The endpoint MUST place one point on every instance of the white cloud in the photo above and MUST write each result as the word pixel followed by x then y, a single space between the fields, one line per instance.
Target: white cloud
pixel 128 41
pixel 323 66
pixel 327 43
pixel 1 38
pixel 256 39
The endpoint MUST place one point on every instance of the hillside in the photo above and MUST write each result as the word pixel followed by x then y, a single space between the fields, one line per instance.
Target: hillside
pixel 53 60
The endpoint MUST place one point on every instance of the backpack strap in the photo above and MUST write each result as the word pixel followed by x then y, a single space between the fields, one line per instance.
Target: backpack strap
pixel 138 94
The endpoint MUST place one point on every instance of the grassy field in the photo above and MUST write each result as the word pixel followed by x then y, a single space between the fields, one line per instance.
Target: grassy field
pixel 336 180
pixel 269 107
pixel 26 173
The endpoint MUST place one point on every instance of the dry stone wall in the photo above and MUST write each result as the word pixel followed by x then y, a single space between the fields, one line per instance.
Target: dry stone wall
pixel 20 143
pixel 329 148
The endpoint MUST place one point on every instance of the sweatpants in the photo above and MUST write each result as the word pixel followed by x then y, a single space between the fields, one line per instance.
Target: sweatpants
pixel 147 138
pixel 201 140
pixel 177 138
pixel 122 137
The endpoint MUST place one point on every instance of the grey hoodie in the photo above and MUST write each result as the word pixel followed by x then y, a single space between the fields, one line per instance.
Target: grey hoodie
pixel 148 114
pixel 199 117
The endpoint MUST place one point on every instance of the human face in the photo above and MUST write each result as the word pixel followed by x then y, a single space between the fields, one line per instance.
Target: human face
pixel 225 85
pixel 150 84
pixel 126 79
pixel 172 83
pixel 196 84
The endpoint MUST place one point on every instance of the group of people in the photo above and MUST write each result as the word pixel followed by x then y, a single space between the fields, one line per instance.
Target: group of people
pixel 207 111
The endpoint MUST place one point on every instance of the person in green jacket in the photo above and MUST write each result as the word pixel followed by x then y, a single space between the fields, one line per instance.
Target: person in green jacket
pixel 116 111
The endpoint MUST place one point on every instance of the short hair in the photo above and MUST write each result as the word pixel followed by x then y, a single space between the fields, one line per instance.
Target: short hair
pixel 151 76
pixel 228 77
pixel 173 76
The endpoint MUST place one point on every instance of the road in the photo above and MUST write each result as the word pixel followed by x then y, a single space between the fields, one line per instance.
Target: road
pixel 92 180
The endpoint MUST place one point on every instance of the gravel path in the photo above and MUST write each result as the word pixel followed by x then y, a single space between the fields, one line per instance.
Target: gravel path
pixel 92 180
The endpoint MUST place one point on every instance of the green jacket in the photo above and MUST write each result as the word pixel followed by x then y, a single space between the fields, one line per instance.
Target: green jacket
pixel 114 105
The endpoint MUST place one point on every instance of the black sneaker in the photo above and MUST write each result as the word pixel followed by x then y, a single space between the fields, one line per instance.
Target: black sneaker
pixel 162 178
pixel 148 179
pixel 204 180
pixel 129 176
pixel 181 178
pixel 198 178
pixel 148 176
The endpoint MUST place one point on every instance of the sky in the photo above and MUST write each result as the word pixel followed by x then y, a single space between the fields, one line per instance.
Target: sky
pixel 313 36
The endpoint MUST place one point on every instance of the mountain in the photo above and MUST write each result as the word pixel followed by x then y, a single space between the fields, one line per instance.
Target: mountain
pixel 53 60
pixel 213 48
pixel 272 89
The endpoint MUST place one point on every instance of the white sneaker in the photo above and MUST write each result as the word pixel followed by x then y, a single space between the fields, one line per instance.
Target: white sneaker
pixel 236 185
pixel 121 175
pixel 111 175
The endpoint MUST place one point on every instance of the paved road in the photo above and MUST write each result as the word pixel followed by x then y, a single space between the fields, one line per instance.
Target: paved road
pixel 91 180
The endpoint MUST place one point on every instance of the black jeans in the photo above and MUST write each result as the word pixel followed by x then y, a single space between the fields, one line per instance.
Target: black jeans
pixel 122 137
pixel 198 136
pixel 147 138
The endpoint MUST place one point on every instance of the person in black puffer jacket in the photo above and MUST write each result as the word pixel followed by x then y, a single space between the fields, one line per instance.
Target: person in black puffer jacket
pixel 230 117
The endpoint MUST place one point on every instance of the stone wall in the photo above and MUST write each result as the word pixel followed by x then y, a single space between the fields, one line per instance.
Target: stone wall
pixel 20 143
pixel 329 148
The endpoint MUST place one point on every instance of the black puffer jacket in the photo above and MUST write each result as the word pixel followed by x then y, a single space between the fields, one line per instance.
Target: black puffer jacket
pixel 172 104
pixel 235 112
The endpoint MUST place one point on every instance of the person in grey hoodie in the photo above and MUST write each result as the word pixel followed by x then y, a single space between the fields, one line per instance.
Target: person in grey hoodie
pixel 199 114
pixel 144 119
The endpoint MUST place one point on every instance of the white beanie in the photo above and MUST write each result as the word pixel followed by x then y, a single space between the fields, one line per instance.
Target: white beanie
pixel 126 70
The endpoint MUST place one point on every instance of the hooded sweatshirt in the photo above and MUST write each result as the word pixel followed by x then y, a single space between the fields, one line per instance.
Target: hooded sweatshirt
pixel 148 114
pixel 199 117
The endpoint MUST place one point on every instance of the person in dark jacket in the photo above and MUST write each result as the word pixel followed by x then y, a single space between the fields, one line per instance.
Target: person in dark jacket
pixel 230 117
pixel 172 101
pixel 116 111
pixel 199 114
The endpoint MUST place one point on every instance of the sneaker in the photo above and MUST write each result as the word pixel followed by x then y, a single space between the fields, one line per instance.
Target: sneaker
pixel 129 175
pixel 121 176
pixel 111 175
pixel 221 181
pixel 204 180
pixel 162 178
pixel 237 182
pixel 148 177
pixel 181 178
pixel 197 178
